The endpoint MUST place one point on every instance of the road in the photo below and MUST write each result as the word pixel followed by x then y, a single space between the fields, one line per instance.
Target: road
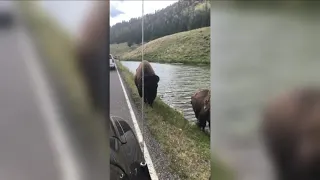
pixel 118 103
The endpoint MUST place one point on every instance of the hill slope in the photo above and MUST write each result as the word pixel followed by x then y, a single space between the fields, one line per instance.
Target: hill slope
pixel 190 47
pixel 121 49
pixel 178 17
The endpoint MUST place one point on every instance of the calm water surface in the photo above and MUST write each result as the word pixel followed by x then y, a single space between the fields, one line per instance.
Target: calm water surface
pixel 178 83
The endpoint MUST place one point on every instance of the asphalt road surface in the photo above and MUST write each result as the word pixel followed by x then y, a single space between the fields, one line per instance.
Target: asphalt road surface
pixel 118 103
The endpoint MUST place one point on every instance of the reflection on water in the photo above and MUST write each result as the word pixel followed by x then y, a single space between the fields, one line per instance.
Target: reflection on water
pixel 178 83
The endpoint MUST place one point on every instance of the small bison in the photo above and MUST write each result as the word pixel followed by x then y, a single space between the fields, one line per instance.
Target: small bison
pixel 201 106
pixel 291 130
pixel 151 81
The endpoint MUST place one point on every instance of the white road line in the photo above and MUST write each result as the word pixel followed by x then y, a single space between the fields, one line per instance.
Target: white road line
pixel 151 168
pixel 64 154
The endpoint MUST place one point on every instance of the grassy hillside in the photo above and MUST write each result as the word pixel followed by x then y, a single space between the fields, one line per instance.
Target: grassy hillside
pixel 178 17
pixel 121 49
pixel 190 47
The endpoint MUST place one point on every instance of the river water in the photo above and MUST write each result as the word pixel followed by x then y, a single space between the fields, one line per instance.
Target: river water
pixel 177 83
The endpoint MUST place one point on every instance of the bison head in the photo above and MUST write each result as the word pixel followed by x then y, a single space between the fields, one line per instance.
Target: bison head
pixel 151 88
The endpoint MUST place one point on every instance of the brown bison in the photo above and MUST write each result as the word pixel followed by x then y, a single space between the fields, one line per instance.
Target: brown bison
pixel 291 130
pixel 201 106
pixel 151 81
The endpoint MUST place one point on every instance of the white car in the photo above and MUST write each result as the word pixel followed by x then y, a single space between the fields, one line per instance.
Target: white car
pixel 112 63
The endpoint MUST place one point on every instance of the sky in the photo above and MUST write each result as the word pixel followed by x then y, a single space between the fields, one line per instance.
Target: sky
pixel 70 13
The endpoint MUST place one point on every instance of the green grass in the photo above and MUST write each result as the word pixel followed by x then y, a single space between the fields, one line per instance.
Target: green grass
pixel 190 47
pixel 120 49
pixel 188 148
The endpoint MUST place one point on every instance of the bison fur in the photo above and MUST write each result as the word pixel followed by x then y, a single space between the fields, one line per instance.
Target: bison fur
pixel 151 81
pixel 291 130
pixel 200 101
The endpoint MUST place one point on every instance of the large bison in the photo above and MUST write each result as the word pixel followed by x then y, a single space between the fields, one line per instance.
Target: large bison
pixel 151 81
pixel 201 106
pixel 291 130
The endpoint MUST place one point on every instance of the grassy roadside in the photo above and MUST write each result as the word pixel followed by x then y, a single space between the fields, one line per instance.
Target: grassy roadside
pixel 190 47
pixel 187 147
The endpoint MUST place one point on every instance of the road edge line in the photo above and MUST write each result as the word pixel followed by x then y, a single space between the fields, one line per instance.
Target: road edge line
pixel 152 171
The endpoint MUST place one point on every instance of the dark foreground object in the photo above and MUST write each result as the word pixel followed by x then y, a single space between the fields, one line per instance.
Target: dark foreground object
pixel 126 155
pixel 291 129
pixel 6 19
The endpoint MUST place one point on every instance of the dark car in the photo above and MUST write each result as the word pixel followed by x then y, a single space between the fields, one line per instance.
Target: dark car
pixel 6 14
pixel 126 158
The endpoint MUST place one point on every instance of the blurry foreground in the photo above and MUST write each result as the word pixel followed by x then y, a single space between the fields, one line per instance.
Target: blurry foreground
pixel 50 128
pixel 258 50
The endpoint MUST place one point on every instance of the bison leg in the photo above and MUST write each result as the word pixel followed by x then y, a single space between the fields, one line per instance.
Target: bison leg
pixel 150 102
pixel 139 91
pixel 198 123
pixel 196 113
pixel 202 121
pixel 203 125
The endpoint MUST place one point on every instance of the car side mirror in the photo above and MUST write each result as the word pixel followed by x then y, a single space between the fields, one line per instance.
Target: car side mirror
pixel 121 127
pixel 115 143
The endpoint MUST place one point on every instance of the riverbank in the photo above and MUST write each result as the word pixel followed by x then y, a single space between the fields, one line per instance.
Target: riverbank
pixel 187 147
pixel 190 47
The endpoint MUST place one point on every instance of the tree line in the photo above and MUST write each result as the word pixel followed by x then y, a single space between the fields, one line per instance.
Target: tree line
pixel 180 16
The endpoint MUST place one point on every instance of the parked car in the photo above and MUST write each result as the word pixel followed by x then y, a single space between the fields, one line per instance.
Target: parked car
pixel 125 153
pixel 112 63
